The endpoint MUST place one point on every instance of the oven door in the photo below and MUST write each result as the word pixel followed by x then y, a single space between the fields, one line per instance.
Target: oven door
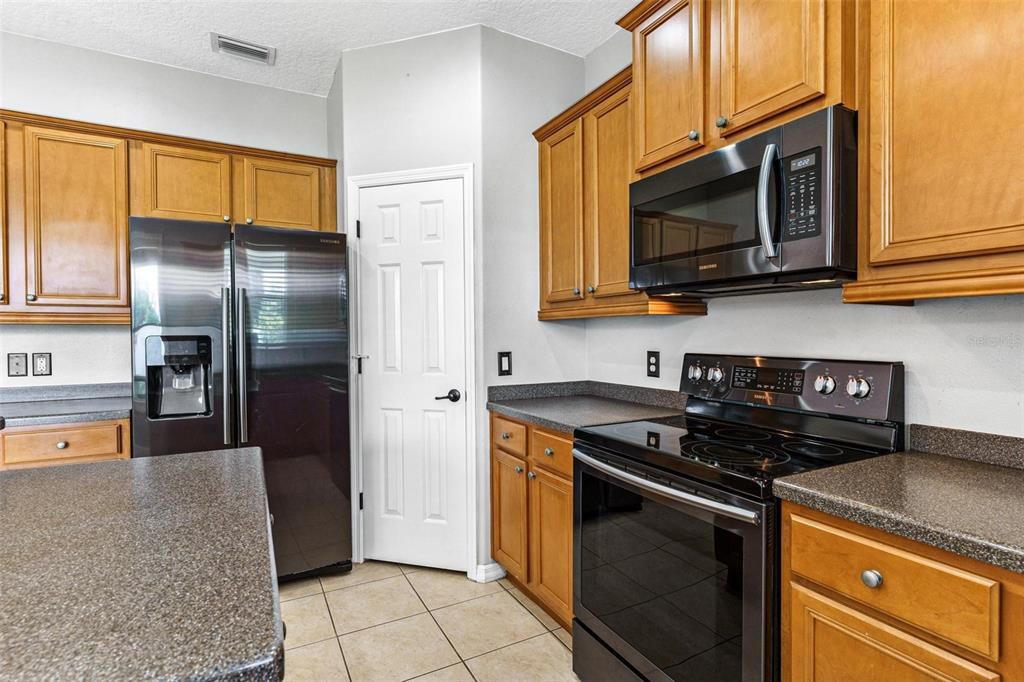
pixel 714 218
pixel 675 579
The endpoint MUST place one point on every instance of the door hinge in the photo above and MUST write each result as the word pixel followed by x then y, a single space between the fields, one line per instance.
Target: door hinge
pixel 360 501
pixel 359 365
pixel 359 229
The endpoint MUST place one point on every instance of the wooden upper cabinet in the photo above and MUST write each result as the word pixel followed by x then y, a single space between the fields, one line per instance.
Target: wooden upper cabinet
pixel 180 182
pixel 608 153
pixel 668 79
pixel 551 540
pixel 946 141
pixel 772 59
pixel 76 218
pixel 278 193
pixel 561 214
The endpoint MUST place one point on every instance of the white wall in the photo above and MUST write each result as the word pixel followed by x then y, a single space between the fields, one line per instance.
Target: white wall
pixel 336 138
pixel 79 355
pixel 608 58
pixel 41 77
pixel 964 357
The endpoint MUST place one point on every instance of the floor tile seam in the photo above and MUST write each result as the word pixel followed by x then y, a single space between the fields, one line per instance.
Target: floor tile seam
pixel 443 633
pixel 535 616
pixel 505 646
pixel 444 667
pixel 456 603
pixel 337 638
pixel 365 582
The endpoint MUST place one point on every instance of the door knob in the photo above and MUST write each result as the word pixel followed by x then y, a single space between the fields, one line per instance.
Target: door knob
pixel 452 395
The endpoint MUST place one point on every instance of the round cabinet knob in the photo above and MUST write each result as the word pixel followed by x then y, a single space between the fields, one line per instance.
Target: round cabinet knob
pixel 872 579
pixel 576 291
pixel 531 475
pixel 1 298
pixel 227 219
pixel 721 121
pixel 591 289
pixel 519 469
pixel 825 384
pixel 858 388
pixel 62 445
pixel 505 435
pixel 693 135
pixel 550 452
pixel 248 221
pixel 31 297
pixel 694 373
pixel 715 374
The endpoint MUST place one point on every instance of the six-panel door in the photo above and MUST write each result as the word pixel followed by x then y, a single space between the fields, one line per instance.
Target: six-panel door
pixel 561 215
pixel 76 218
pixel 181 183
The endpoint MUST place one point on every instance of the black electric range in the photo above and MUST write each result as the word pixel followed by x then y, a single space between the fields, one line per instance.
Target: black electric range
pixel 675 526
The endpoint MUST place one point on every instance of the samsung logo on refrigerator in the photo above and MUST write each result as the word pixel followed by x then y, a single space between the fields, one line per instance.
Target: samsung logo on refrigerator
pixel 709 266
pixel 330 241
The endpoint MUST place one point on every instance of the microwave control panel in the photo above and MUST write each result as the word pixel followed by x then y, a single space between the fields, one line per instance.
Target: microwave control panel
pixel 802 213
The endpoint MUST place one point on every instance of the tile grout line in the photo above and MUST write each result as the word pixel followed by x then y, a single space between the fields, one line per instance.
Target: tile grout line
pixel 337 637
pixel 443 633
pixel 506 646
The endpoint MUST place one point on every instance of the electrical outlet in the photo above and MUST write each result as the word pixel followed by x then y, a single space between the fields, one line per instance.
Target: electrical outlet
pixel 41 365
pixel 17 364
pixel 654 363
pixel 505 363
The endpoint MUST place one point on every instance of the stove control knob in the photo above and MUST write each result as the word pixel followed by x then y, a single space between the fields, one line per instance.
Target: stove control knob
pixel 715 374
pixel 825 384
pixel 694 373
pixel 858 388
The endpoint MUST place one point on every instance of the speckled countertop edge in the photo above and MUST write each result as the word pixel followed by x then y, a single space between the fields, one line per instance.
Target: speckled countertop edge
pixel 577 411
pixel 47 405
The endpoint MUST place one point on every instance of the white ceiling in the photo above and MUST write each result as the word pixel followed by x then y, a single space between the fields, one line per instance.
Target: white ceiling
pixel 309 34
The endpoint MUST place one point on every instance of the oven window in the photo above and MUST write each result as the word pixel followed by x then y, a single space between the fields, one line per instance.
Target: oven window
pixel 668 583
pixel 718 216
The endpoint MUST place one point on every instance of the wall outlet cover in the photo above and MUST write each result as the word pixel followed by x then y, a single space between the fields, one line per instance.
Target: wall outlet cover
pixel 41 366
pixel 17 364
pixel 654 363
pixel 505 363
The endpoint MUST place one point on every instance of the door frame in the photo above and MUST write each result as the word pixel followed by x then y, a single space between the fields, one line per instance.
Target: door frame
pixel 354 184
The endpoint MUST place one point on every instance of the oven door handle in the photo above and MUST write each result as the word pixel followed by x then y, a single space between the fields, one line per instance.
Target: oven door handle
pixel 712 506
pixel 764 227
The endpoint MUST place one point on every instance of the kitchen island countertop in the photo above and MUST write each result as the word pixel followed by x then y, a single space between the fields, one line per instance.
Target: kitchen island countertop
pixel 146 568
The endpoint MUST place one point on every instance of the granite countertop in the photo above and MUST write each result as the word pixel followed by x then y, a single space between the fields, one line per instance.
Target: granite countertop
pixel 146 568
pixel 970 508
pixel 566 413
pixel 43 405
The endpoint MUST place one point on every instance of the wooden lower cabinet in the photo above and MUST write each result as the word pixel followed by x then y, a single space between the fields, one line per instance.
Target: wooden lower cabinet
pixel 928 615
pixel 531 517
pixel 23 447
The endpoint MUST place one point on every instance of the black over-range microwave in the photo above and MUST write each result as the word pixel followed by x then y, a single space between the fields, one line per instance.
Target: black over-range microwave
pixel 776 211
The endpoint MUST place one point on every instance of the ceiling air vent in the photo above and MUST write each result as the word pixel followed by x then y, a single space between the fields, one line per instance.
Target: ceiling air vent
pixel 243 49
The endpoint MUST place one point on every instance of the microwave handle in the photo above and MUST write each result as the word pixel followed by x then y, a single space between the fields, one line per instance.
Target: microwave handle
pixel 764 227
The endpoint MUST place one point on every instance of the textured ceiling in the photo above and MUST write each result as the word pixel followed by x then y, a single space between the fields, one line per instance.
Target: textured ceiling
pixel 309 34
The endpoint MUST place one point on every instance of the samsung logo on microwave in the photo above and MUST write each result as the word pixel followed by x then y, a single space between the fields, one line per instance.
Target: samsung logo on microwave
pixel 709 266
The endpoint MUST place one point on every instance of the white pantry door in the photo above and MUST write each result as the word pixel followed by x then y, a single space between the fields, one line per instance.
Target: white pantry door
pixel 413 328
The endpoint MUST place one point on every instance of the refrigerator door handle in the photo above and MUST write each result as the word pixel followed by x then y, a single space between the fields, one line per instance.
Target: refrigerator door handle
pixel 243 397
pixel 225 349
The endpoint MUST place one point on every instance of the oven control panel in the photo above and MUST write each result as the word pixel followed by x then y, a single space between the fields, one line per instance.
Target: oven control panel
pixel 850 388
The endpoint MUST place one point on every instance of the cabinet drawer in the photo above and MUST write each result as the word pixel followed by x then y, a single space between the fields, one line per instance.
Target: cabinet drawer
pixel 60 443
pixel 551 451
pixel 509 435
pixel 950 603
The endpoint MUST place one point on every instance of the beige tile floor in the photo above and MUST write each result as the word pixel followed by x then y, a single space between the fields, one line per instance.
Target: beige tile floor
pixel 385 622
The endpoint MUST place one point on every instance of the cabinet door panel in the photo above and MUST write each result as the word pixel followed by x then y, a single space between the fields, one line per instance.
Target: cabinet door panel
pixel 508 513
pixel 668 82
pixel 773 58
pixel 185 184
pixel 4 291
pixel 281 193
pixel 551 541
pixel 609 168
pixel 946 167
pixel 830 642
pixel 561 173
pixel 76 218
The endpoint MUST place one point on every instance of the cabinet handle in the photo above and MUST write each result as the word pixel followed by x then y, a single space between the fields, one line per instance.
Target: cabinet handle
pixel 872 579
pixel 61 445
pixel 519 469
pixel 550 452
pixel 30 297
pixel 505 435
pixel 576 291
pixel 721 121
pixel 227 219
pixel 694 135
pixel 531 475
pixel 248 221
pixel 591 289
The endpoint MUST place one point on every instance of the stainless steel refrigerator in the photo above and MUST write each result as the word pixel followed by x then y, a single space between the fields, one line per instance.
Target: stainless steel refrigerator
pixel 242 340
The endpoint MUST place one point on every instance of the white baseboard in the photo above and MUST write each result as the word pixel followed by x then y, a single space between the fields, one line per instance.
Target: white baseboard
pixel 485 573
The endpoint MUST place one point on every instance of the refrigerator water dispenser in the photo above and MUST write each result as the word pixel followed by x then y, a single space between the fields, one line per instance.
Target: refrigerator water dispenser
pixel 178 376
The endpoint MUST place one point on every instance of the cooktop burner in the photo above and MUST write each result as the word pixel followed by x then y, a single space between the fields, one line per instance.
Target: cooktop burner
pixel 730 453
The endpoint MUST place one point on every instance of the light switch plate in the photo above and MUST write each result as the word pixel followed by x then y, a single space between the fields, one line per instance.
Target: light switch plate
pixel 654 363
pixel 17 364
pixel 505 363
pixel 41 366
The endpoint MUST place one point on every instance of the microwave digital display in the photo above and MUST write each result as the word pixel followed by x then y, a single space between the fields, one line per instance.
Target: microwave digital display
pixel 805 161
pixel 772 380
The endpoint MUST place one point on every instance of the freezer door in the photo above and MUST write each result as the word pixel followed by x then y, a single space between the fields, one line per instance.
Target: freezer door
pixel 181 289
pixel 292 311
